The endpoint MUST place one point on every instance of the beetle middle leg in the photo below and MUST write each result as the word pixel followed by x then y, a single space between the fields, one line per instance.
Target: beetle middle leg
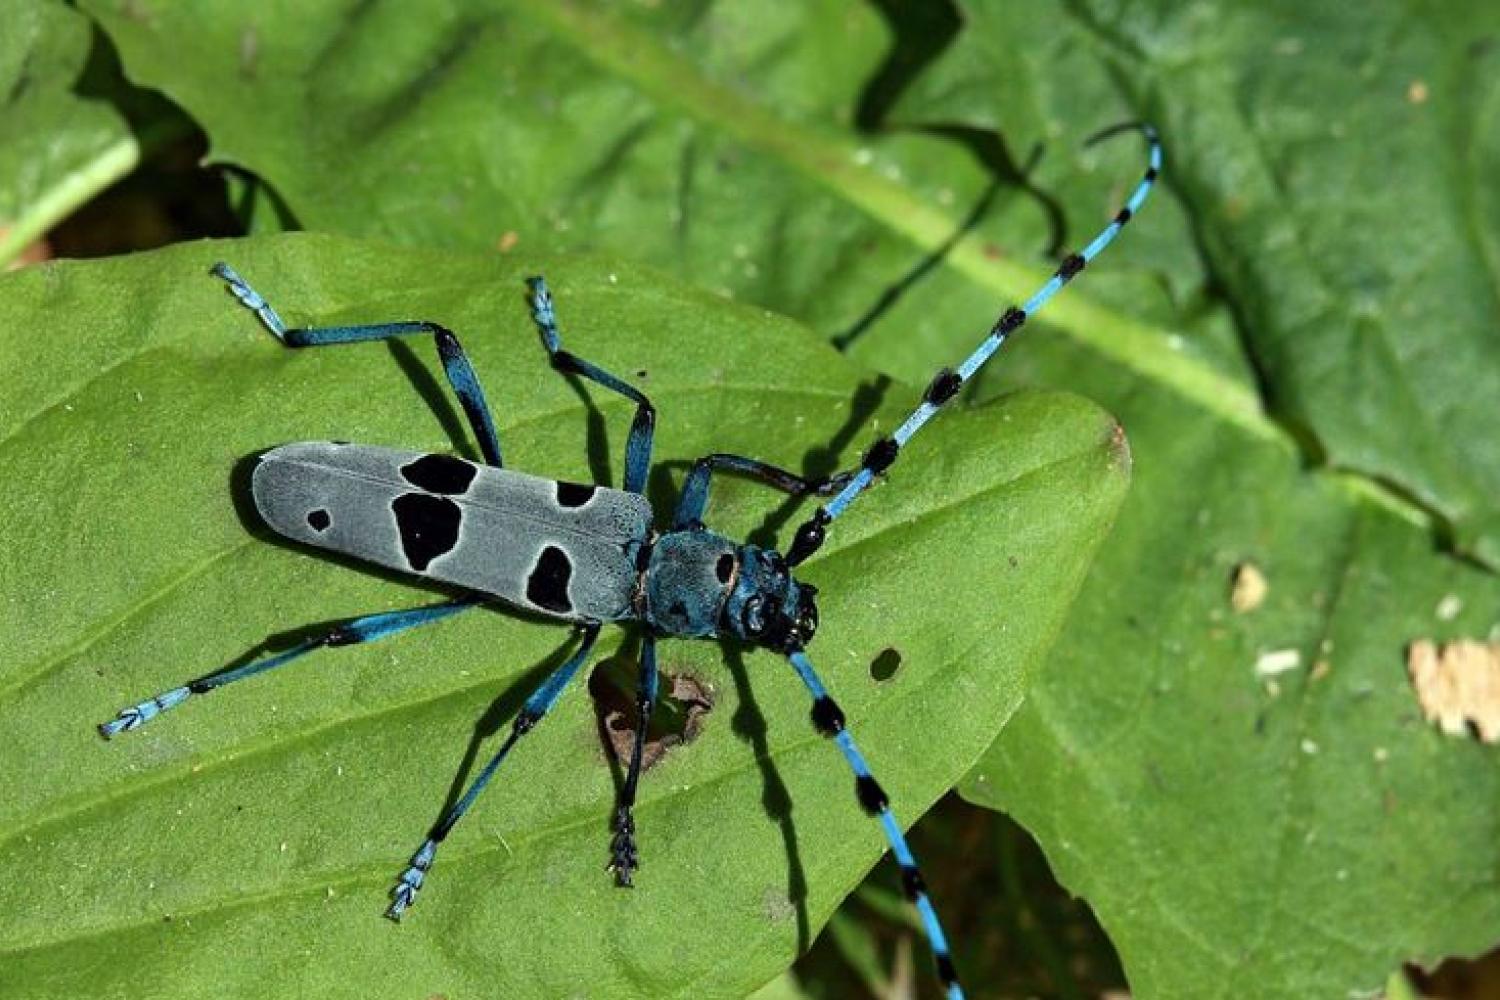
pixel 642 428
pixel 624 858
pixel 460 373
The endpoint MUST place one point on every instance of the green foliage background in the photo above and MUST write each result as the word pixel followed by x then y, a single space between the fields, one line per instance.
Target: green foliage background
pixel 1298 335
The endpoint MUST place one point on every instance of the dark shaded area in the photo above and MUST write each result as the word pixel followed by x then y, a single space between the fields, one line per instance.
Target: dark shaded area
pixel 994 153
pixel 682 708
pixel 253 201
pixel 438 397
pixel 1013 928
pixel 169 197
pixel 894 292
pixel 749 724
pixel 989 149
pixel 920 31
pixel 1459 978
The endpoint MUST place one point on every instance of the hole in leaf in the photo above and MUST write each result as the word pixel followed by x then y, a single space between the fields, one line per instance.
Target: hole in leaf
pixel 884 666
pixel 682 703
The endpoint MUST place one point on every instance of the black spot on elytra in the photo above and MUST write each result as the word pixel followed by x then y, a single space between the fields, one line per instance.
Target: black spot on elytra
pixel 724 568
pixel 428 527
pixel 440 474
pixel 574 494
pixel 318 520
pixel 547 586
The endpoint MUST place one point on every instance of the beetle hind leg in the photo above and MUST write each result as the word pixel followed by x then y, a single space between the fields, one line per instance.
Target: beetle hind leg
pixel 404 892
pixel 366 629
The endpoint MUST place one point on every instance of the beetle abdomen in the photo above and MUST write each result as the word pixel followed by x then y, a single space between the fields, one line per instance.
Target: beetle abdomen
pixel 562 549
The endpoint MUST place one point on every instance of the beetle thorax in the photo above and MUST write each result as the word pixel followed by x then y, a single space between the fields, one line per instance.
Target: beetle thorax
pixel 687 580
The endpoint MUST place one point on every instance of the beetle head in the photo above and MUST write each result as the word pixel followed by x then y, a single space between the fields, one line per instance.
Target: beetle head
pixel 767 606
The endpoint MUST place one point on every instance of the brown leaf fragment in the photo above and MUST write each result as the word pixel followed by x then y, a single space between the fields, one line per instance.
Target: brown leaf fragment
pixel 678 719
pixel 1458 685
pixel 1248 589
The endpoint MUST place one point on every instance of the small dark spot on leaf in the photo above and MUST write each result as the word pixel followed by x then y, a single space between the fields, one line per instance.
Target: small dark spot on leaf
pixel 884 666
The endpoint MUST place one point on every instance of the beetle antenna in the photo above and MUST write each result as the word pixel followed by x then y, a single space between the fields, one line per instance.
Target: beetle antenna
pixel 948 381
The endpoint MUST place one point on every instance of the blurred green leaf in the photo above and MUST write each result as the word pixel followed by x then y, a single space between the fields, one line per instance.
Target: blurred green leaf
pixel 1338 163
pixel 266 824
pixel 60 148
pixel 705 138
pixel 1283 836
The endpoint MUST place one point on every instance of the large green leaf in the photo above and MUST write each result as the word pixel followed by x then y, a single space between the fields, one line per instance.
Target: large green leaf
pixel 713 139
pixel 60 148
pixel 1232 840
pixel 237 837
pixel 1238 836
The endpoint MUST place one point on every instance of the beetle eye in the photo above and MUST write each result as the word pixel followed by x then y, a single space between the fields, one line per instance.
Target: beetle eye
pixel 752 618
pixel 807 621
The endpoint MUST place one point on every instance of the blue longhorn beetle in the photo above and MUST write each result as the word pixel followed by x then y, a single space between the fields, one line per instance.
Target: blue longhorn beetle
pixel 580 553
